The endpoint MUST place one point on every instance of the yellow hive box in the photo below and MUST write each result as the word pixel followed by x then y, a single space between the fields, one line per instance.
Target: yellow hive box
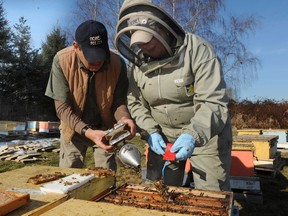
pixel 249 132
pixel 12 126
pixel 265 147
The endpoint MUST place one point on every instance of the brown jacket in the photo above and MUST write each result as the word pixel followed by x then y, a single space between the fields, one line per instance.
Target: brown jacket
pixel 105 84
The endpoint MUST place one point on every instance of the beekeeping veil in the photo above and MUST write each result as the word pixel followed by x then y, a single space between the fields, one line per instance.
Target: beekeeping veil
pixel 139 21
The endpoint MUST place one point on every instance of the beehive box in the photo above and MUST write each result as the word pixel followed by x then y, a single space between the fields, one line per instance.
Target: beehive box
pixel 47 126
pixel 9 128
pixel 281 133
pixel 11 200
pixel 249 132
pixel 12 126
pixel 265 147
pixel 243 146
pixel 32 126
pixel 146 200
pixel 41 202
pixel 242 163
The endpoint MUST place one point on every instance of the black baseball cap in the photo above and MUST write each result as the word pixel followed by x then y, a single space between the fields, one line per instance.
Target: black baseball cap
pixel 92 38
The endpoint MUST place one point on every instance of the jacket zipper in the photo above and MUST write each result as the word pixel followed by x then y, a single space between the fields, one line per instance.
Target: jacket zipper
pixel 160 93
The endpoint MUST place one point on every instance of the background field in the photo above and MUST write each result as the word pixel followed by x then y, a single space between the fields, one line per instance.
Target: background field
pixel 275 189
pixel 262 115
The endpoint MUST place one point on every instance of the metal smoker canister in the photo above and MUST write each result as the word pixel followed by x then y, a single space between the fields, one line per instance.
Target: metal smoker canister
pixel 130 155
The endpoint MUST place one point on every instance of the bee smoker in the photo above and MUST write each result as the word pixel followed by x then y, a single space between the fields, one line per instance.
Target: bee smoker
pixel 130 155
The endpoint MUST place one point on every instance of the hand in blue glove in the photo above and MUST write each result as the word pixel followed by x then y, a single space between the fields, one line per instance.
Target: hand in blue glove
pixel 184 146
pixel 157 143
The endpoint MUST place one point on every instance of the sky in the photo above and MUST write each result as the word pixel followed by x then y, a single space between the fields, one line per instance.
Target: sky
pixel 269 43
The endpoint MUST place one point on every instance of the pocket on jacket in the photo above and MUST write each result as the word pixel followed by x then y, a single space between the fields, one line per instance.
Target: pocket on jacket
pixel 185 87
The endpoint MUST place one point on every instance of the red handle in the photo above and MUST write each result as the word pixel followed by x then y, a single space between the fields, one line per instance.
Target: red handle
pixel 168 155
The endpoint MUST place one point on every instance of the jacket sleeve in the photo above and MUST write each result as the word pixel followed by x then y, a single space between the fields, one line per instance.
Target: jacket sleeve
pixel 120 102
pixel 138 106
pixel 66 114
pixel 57 87
pixel 210 99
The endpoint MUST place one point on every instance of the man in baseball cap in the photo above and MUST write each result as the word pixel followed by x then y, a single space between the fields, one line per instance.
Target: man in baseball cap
pixel 88 83
pixel 92 38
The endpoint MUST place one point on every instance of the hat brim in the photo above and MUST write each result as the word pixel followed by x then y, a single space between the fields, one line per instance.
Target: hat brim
pixel 95 54
pixel 140 37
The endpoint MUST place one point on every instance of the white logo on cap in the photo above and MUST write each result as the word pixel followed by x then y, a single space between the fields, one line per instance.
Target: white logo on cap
pixel 95 40
pixel 138 21
pixel 144 21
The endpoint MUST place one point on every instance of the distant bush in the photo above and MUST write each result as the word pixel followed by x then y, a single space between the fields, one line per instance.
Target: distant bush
pixel 261 114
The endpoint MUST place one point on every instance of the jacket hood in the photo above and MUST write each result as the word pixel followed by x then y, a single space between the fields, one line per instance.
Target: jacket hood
pixel 144 16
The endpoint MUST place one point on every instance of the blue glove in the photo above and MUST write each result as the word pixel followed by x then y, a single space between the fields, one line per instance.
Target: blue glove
pixel 184 146
pixel 156 143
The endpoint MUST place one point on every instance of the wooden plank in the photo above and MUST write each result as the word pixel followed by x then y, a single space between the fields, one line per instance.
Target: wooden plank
pixel 249 131
pixel 4 157
pixel 11 200
pixel 19 158
pixel 12 157
pixel 17 180
pixel 3 148
pixel 84 208
pixel 270 169
pixel 268 163
pixel 245 138
pixel 28 160
pixel 245 183
pixel 47 207
pixel 31 155
pixel 89 191
pixel 7 152
pixel 283 145
pixel 243 146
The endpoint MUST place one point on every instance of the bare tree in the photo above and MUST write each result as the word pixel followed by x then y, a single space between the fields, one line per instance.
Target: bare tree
pixel 226 33
pixel 103 11
pixel 203 17
pixel 197 16
pixel 239 64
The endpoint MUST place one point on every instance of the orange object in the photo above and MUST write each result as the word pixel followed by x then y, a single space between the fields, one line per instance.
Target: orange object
pixel 11 200
pixel 242 163
pixel 188 166
pixel 168 155
pixel 43 126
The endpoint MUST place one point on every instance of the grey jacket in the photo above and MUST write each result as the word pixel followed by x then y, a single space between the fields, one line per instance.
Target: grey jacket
pixel 187 95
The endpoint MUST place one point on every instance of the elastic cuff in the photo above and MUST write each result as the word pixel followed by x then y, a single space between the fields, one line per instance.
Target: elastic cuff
pixel 84 129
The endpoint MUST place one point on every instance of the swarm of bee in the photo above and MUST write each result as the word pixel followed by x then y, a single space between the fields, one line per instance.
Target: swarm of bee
pixel 100 172
pixel 163 191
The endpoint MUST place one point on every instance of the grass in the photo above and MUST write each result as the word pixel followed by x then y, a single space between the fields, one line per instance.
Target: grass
pixel 275 189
